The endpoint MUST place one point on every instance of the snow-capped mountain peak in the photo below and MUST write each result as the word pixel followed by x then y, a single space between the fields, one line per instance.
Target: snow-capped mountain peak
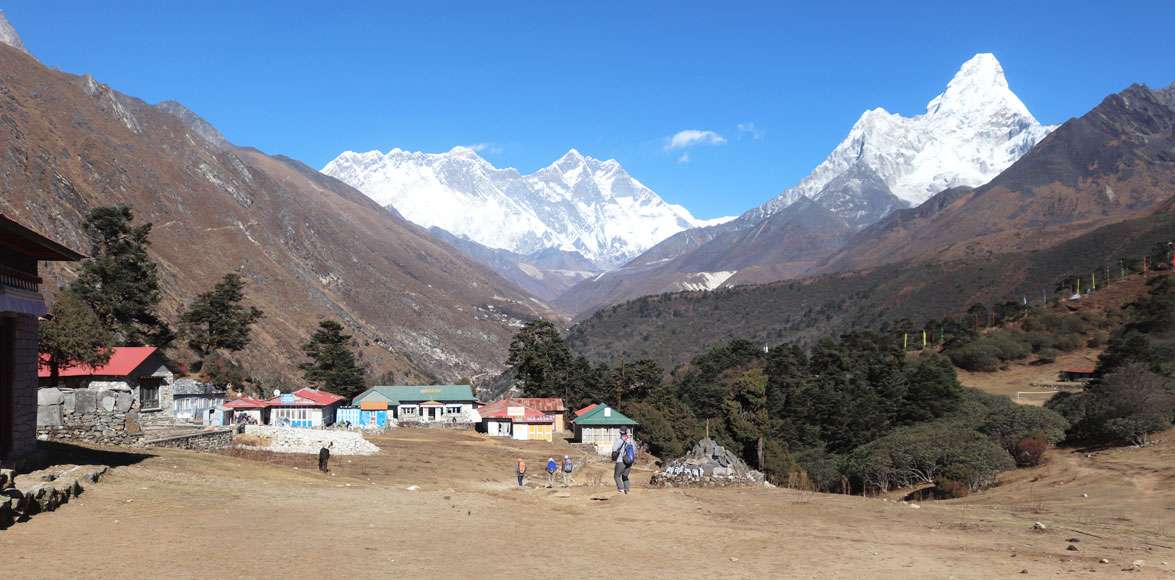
pixel 972 131
pixel 578 203
pixel 8 34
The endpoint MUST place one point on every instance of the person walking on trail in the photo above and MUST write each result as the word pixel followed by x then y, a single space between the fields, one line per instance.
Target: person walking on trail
pixel 566 471
pixel 623 455
pixel 324 457
pixel 552 467
pixel 520 471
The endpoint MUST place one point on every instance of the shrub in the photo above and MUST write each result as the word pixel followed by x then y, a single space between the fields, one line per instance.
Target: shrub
pixel 976 357
pixel 1008 426
pixel 1030 451
pixel 924 454
pixel 1047 356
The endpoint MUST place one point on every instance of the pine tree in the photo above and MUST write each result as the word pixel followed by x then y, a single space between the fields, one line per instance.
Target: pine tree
pixel 541 360
pixel 73 336
pixel 216 320
pixel 121 282
pixel 333 365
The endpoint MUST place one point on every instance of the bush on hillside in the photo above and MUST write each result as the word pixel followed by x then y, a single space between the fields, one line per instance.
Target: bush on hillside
pixel 1030 451
pixel 1125 406
pixel 1008 425
pixel 925 454
pixel 976 357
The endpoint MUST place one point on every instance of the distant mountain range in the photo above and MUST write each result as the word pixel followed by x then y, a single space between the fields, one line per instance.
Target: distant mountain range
pixel 576 204
pixel 970 133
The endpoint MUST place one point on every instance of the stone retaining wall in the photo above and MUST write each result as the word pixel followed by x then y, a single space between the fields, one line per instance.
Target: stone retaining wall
pixel 212 440
pixel 295 440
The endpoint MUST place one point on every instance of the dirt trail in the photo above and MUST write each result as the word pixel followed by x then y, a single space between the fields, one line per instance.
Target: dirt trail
pixel 180 514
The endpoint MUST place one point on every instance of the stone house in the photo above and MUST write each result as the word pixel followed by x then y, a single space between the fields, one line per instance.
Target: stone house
pixel 426 404
pixel 600 425
pixel 141 370
pixel 195 401
pixel 20 305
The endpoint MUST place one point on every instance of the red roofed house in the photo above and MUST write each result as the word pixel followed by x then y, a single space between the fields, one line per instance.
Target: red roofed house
pixel 510 418
pixel 304 408
pixel 20 304
pixel 552 406
pixel 142 370
pixel 248 410
pixel 585 410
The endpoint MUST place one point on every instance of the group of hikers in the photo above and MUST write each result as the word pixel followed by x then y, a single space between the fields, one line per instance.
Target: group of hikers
pixel 623 456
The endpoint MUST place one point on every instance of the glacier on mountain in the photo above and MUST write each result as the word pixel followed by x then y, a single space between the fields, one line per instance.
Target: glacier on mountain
pixel 578 203
pixel 970 133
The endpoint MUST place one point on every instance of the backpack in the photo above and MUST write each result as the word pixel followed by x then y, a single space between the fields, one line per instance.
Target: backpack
pixel 629 454
pixel 567 467
pixel 551 466
pixel 521 467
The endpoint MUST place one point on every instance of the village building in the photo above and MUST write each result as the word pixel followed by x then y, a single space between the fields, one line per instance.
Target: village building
pixel 552 406
pixel 20 305
pixel 511 418
pixel 600 425
pixel 247 410
pixel 197 402
pixel 141 370
pixel 367 415
pixel 310 408
pixel 425 404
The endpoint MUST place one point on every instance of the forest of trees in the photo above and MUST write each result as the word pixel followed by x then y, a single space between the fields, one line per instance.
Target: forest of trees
pixel 852 414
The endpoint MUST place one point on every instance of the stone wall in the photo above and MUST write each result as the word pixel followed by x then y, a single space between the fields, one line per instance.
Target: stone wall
pixel 104 417
pixel 211 440
pixel 24 393
pixel 297 440
pixel 17 505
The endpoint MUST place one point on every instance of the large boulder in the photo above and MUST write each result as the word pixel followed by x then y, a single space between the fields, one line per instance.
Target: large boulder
pixel 50 396
pixel 123 401
pixel 106 400
pixel 49 415
pixel 84 401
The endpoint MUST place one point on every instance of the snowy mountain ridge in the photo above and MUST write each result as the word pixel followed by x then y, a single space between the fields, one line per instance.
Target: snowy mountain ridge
pixel 970 133
pixel 578 203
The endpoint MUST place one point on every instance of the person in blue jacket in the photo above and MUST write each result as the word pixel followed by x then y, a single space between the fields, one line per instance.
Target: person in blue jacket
pixel 552 466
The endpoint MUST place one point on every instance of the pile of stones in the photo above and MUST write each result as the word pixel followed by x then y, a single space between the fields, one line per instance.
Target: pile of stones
pixel 296 440
pixel 708 464
pixel 54 489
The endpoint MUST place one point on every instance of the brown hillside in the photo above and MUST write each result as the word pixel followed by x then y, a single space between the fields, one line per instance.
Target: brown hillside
pixel 309 246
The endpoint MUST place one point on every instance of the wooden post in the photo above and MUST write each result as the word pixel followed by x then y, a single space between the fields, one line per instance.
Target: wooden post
pixel 760 453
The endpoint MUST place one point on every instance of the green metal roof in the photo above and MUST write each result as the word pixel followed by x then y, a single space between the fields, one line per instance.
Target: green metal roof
pixel 596 417
pixel 396 394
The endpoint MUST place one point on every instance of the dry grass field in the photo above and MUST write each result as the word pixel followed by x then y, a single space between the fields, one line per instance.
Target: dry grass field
pixel 180 514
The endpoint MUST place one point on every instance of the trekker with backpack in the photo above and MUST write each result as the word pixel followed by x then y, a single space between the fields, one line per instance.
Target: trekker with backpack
pixel 520 471
pixel 551 467
pixel 566 473
pixel 624 455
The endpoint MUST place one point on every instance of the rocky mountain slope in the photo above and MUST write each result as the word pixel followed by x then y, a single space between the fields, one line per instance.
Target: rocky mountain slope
pixel 1113 163
pixel 309 246
pixel 576 204
pixel 976 128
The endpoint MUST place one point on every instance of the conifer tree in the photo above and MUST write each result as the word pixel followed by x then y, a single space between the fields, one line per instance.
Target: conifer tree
pixel 120 282
pixel 217 320
pixel 332 365
pixel 73 336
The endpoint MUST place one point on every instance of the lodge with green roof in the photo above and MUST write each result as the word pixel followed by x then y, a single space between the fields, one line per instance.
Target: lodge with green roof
pixel 601 425
pixel 425 403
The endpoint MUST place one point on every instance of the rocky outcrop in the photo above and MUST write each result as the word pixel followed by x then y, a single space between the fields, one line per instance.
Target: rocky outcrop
pixel 708 464
pixel 55 489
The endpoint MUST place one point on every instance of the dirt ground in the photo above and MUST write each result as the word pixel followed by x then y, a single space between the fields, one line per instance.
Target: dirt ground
pixel 181 514
pixel 1019 377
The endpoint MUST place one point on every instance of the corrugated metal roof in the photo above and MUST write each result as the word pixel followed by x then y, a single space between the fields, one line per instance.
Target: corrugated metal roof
pixel 501 410
pixel 597 417
pixel 585 410
pixel 123 361
pixel 548 404
pixel 246 403
pixel 307 398
pixel 396 394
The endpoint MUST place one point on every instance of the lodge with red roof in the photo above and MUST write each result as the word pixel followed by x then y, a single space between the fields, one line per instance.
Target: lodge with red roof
pixel 141 370
pixel 515 419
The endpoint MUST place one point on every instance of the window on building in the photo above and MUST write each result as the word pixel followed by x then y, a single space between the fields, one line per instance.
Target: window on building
pixel 149 393
pixel 453 409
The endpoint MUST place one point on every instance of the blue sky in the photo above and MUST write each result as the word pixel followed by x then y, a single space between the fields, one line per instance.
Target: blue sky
pixel 530 80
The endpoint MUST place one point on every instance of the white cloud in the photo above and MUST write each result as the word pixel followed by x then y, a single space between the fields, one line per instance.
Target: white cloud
pixel 482 148
pixel 750 130
pixel 684 158
pixel 691 137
